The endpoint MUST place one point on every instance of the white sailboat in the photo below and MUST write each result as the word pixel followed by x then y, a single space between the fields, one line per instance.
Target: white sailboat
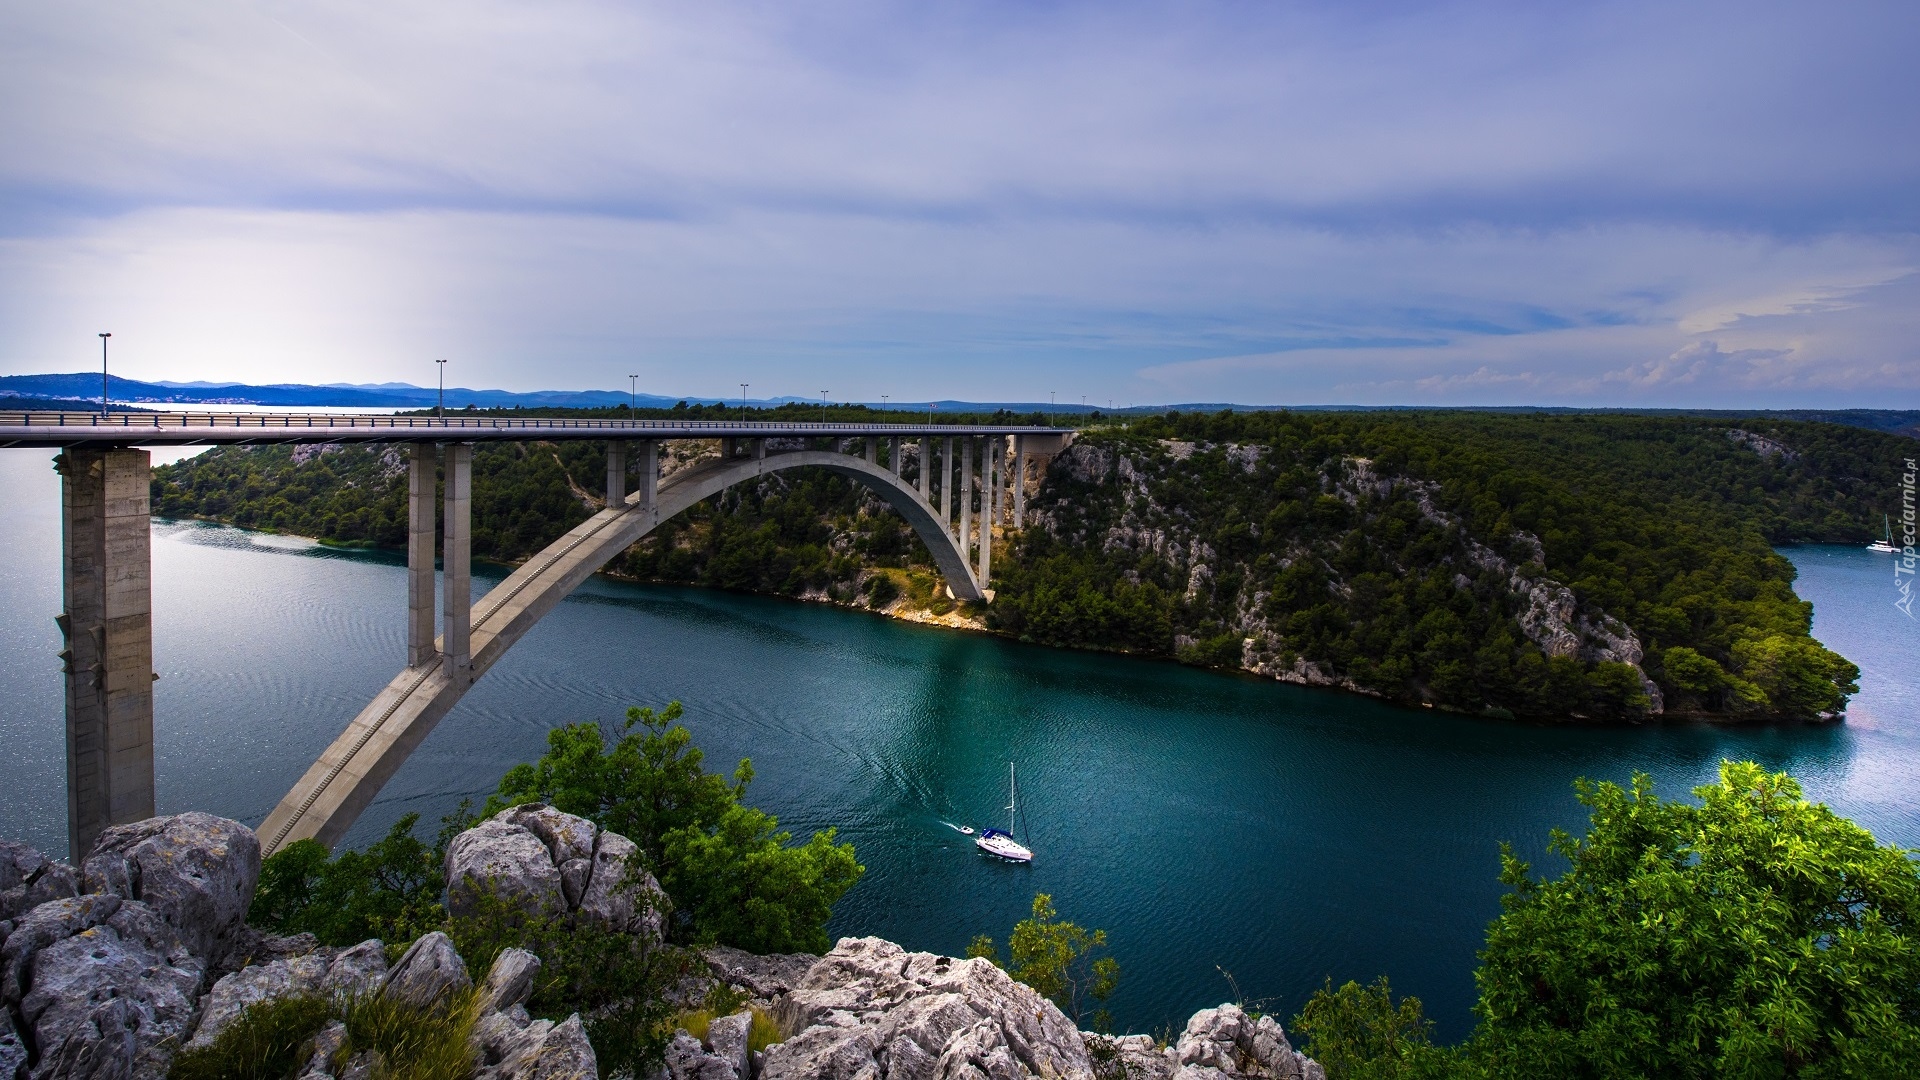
pixel 1885 546
pixel 1002 844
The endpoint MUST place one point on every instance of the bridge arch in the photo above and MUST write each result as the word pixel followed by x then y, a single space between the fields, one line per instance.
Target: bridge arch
pixel 338 786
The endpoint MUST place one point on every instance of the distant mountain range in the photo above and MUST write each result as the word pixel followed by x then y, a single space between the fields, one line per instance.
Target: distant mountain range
pixel 40 391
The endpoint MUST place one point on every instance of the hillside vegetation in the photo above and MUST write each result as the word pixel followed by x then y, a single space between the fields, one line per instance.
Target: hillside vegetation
pixel 1555 565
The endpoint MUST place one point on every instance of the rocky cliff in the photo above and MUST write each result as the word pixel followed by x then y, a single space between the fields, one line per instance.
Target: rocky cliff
pixel 109 970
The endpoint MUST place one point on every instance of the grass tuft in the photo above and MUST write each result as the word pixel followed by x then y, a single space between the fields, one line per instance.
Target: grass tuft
pixel 410 1043
pixel 268 1041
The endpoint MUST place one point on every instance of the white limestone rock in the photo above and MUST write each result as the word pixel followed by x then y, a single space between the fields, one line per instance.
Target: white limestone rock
pixel 509 980
pixel 112 999
pixel 1127 1057
pixel 871 1010
pixel 763 977
pixel 507 861
pixel 508 1046
pixel 196 870
pixel 358 969
pixel 538 859
pixel 1226 1042
pixel 727 1040
pixel 428 973
pixel 29 879
pixel 252 985
pixel 687 1059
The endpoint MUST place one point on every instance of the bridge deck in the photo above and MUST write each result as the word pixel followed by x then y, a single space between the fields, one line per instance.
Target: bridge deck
pixel 49 429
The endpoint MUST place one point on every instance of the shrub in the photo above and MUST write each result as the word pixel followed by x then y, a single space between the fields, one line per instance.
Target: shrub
pixel 411 1043
pixel 1360 1033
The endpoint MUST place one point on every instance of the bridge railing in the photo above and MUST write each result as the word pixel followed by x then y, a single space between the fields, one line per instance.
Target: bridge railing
pixel 418 423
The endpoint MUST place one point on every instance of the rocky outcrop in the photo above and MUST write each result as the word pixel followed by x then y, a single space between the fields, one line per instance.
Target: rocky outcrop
pixel 29 879
pixel 870 1009
pixel 509 1045
pixel 356 970
pixel 101 969
pixel 428 975
pixel 1227 1044
pixel 100 986
pixel 538 859
pixel 197 870
pixel 764 979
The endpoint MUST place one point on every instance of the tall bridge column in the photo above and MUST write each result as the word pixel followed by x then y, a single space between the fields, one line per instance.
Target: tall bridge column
pixel 946 484
pixel 873 450
pixel 926 465
pixel 616 474
pixel 106 559
pixel 649 474
pixel 893 454
pixel 966 498
pixel 1019 481
pixel 421 481
pixel 457 563
pixel 989 503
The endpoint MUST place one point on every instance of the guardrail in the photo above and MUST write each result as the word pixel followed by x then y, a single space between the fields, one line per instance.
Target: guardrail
pixel 310 421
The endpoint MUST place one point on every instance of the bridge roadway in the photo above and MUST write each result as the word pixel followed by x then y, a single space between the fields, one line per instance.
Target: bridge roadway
pixel 107 624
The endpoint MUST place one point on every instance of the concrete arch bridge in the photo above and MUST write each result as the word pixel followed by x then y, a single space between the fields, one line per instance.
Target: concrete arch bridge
pixel 106 565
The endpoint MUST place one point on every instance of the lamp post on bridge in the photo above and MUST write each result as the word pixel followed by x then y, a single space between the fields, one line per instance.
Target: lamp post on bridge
pixel 443 390
pixel 743 401
pixel 823 406
pixel 103 375
pixel 633 392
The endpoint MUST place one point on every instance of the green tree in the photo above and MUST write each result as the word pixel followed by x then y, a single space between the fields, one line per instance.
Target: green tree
pixel 1360 1033
pixel 390 891
pixel 649 783
pixel 733 876
pixel 742 884
pixel 1753 935
pixel 1059 959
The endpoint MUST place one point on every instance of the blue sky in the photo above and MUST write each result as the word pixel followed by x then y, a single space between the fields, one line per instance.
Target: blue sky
pixel 1607 204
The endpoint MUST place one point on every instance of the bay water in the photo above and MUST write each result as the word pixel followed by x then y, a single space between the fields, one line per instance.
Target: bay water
pixel 1237 838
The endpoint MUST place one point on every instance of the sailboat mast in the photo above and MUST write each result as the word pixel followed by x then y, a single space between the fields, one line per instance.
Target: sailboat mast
pixel 1013 798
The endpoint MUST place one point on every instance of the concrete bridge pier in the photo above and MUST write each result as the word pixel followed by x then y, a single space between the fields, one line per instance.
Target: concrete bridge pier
pixel 456 560
pixel 107 574
pixel 1019 481
pixel 989 505
pixel 650 476
pixel 422 480
pixel 926 467
pixel 966 498
pixel 946 483
pixel 616 473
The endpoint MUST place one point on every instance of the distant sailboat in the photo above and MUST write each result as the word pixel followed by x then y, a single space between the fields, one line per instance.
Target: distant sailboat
pixel 1885 546
pixel 1002 844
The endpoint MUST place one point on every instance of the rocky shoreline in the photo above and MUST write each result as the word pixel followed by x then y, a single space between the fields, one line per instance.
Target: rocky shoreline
pixel 110 969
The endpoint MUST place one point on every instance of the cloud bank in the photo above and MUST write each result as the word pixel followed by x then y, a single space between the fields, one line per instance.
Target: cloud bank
pixel 1454 203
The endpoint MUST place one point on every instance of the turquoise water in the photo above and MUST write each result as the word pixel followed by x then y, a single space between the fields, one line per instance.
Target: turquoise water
pixel 1208 822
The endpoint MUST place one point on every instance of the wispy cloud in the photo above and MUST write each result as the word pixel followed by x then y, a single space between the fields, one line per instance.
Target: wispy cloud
pixel 1251 202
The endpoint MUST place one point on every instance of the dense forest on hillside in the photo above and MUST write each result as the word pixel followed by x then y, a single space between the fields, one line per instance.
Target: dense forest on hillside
pixel 1551 565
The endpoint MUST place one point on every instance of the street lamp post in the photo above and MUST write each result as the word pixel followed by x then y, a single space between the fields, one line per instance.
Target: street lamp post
pixel 443 390
pixel 883 402
pixel 823 406
pixel 743 401
pixel 633 392
pixel 103 375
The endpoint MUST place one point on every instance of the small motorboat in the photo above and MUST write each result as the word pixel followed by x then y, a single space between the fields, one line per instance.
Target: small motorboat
pixel 966 830
pixel 1002 845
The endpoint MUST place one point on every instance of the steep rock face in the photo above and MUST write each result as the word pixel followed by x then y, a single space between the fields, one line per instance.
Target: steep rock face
pixel 538 859
pixel 197 870
pixel 1228 568
pixel 870 1009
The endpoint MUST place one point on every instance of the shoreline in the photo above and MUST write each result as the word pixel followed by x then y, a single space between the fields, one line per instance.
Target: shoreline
pixel 957 621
